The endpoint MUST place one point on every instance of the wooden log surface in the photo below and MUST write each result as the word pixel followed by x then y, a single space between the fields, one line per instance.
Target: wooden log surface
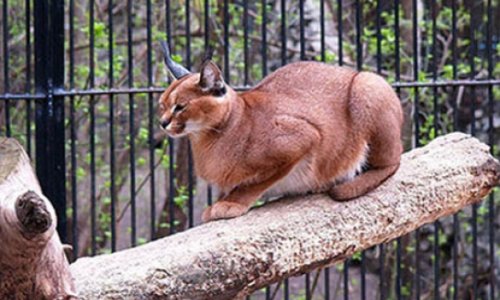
pixel 230 259
pixel 32 260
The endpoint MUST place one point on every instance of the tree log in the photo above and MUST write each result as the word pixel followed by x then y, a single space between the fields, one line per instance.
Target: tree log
pixel 32 260
pixel 230 259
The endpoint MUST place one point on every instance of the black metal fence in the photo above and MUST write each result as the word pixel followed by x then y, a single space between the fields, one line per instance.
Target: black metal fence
pixel 79 87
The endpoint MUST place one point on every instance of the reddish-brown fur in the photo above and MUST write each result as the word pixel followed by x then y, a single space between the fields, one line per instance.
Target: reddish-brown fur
pixel 306 127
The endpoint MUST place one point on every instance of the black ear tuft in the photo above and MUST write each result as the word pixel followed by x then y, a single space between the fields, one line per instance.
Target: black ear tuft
pixel 211 79
pixel 209 52
pixel 177 70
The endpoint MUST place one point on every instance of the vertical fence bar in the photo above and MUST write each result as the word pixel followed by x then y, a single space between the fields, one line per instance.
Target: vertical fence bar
pixel 379 70
pixel 283 32
pixel 168 24
pixel 436 133
pixel 130 79
pixel 49 113
pixel 341 62
pixel 456 227
pixel 308 286
pixel 286 287
pixel 416 127
pixel 303 57
pixel 112 161
pixel 396 43
pixel 491 141
pixel 454 103
pixel 227 19
pixel 151 114
pixel 28 74
pixel 190 153
pixel 302 31
pixel 171 143
pixel 93 199
pixel 73 136
pixel 322 29
pixel 474 230
pixel 398 91
pixel 359 66
pixel 346 279
pixel 207 45
pixel 340 29
pixel 209 195
pixel 472 55
pixel 190 187
pixel 416 122
pixel 326 273
pixel 5 25
pixel 245 41
pixel 207 22
pixel 41 18
pixel 188 32
pixel 171 185
pixel 264 38
pixel 57 137
pixel 264 73
pixel 268 292
pixel 327 283
pixel 359 46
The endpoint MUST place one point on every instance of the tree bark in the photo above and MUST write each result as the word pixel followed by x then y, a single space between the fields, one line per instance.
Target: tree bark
pixel 32 260
pixel 230 259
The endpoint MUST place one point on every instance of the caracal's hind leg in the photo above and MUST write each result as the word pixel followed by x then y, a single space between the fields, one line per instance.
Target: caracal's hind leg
pixel 378 116
pixel 383 160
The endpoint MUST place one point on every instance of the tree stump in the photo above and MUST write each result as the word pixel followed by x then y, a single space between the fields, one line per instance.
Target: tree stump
pixel 229 259
pixel 32 260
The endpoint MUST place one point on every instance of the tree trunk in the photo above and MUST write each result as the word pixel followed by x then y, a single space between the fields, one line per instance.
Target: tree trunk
pixel 32 260
pixel 230 259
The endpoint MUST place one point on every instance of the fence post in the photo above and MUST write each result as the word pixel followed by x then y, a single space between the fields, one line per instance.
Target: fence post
pixel 49 112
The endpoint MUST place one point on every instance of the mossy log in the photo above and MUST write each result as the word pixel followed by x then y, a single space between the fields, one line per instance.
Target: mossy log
pixel 230 259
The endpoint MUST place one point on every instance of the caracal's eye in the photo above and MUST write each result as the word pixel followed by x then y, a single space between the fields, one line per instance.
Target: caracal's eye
pixel 178 108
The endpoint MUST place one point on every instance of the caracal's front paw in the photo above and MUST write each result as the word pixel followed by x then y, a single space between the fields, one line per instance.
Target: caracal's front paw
pixel 223 210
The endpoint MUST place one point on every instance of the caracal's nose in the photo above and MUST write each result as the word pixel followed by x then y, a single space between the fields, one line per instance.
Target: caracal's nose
pixel 164 122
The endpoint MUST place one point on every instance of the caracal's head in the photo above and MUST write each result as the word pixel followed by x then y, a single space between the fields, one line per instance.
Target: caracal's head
pixel 194 102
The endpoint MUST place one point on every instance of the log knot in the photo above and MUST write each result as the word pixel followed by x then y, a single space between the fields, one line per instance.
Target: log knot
pixel 32 214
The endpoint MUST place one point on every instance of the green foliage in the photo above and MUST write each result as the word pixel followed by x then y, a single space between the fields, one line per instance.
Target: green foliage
pixel 356 256
pixel 182 196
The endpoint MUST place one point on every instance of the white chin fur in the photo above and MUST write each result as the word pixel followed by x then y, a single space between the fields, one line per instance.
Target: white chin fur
pixel 190 127
pixel 177 135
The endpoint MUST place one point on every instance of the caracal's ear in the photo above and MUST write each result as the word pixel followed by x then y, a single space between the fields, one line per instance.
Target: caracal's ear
pixel 175 69
pixel 211 79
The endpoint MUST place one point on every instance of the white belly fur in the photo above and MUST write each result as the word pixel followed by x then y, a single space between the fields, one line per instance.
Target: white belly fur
pixel 302 178
pixel 356 168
